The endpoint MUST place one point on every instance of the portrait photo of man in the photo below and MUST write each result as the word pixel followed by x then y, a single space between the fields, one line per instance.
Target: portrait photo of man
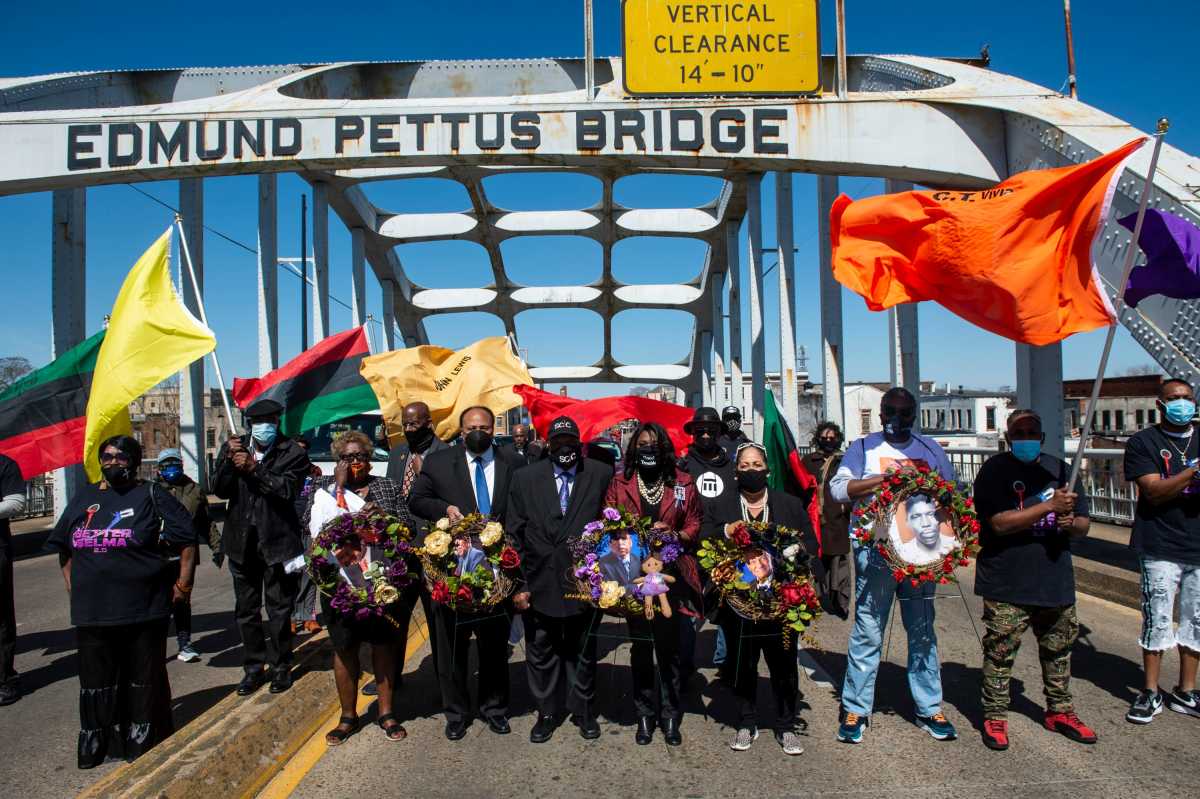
pixel 919 531
pixel 469 556
pixel 622 562
pixel 759 570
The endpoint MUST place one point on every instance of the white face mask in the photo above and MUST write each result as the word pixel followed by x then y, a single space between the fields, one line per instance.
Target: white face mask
pixel 264 433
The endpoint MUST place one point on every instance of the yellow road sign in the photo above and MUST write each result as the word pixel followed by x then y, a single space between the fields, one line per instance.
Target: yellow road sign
pixel 690 47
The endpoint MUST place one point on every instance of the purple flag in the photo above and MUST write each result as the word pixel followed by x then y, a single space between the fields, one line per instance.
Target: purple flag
pixel 1172 247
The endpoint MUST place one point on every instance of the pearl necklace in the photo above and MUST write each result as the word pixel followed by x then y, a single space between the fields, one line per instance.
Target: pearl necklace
pixel 747 507
pixel 652 494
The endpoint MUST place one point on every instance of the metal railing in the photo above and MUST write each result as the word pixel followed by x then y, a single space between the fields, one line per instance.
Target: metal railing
pixel 39 498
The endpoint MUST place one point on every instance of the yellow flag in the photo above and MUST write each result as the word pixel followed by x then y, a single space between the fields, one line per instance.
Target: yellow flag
pixel 448 381
pixel 151 336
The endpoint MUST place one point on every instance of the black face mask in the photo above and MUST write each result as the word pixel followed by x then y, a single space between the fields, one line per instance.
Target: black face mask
pixel 827 445
pixel 733 425
pixel 566 455
pixel 897 428
pixel 478 441
pixel 419 439
pixel 647 459
pixel 117 475
pixel 705 446
pixel 752 480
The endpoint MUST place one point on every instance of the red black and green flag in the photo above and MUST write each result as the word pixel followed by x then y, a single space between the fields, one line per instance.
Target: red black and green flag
pixel 786 471
pixel 318 386
pixel 43 415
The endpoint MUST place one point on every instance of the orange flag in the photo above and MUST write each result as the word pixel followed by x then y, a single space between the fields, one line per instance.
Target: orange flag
pixel 1015 259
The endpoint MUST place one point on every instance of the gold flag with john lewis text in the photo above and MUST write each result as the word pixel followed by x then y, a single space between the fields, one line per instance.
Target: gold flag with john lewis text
pixel 448 381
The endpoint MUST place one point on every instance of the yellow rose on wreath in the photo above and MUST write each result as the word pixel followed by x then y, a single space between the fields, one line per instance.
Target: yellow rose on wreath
pixel 386 594
pixel 443 524
pixel 610 593
pixel 437 544
pixel 491 533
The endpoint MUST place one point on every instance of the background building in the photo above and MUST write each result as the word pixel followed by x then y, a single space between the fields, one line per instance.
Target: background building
pixel 1126 405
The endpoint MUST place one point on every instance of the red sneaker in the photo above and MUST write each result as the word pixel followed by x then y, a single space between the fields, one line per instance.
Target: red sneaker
pixel 995 734
pixel 1070 725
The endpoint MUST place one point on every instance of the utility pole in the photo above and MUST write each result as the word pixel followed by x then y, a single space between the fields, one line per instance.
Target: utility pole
pixel 303 272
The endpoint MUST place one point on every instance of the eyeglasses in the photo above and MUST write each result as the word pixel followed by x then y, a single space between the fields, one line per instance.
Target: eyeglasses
pixel 360 457
pixel 115 457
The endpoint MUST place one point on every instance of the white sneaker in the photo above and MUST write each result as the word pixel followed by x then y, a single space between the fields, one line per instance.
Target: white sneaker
pixel 790 742
pixel 188 655
pixel 741 742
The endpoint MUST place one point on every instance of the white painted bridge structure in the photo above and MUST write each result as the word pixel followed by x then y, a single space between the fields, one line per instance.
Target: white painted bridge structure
pixel 909 120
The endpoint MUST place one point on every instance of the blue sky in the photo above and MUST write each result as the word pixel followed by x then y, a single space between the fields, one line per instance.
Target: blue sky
pixel 1133 61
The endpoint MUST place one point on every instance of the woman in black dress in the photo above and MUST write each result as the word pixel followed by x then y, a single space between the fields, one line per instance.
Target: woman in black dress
pixel 353 474
pixel 113 542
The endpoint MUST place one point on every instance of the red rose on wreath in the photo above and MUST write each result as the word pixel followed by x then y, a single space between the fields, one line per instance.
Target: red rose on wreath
pixel 347 555
pixel 790 594
pixel 509 559
pixel 440 592
pixel 370 536
pixel 740 536
pixel 464 594
pixel 887 496
pixel 899 575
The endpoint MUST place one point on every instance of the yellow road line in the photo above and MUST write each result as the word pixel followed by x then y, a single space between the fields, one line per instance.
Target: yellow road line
pixel 298 767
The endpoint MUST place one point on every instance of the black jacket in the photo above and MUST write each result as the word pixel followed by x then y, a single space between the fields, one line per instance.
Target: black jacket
pixel 397 464
pixel 715 478
pixel 521 458
pixel 730 442
pixel 543 535
pixel 262 502
pixel 784 510
pixel 445 480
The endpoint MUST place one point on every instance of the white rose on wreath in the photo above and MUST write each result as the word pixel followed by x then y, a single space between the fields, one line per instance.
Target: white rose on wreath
pixel 491 533
pixel 790 552
pixel 443 524
pixel 437 544
pixel 387 594
pixel 610 593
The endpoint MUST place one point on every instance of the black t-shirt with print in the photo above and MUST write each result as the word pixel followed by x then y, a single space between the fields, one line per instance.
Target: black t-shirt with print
pixel 11 483
pixel 119 568
pixel 1033 566
pixel 1170 531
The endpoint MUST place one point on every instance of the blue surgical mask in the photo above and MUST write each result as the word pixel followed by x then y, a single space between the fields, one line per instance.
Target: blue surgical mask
pixel 1027 451
pixel 1179 411
pixel 264 432
pixel 172 473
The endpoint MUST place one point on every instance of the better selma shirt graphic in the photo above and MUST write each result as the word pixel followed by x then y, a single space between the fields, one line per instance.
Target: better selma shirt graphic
pixel 111 537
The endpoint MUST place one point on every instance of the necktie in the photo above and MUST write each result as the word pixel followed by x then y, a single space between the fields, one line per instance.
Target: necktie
pixel 625 563
pixel 482 500
pixel 564 492
pixel 410 473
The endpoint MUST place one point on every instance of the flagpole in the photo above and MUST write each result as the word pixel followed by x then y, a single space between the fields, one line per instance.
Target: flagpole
pixel 1119 306
pixel 187 259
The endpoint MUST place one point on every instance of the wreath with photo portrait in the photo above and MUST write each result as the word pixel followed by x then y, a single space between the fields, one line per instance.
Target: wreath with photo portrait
pixel 923 525
pixel 595 581
pixel 758 553
pixel 470 566
pixel 361 562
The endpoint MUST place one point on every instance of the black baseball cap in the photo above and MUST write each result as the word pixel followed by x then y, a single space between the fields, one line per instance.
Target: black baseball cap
pixel 563 426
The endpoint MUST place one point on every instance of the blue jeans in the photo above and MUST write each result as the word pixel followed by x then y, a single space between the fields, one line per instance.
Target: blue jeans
pixel 875 587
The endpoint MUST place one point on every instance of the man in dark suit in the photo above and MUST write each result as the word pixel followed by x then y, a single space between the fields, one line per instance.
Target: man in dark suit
pixel 550 503
pixel 519 448
pixel 620 563
pixel 454 482
pixel 261 474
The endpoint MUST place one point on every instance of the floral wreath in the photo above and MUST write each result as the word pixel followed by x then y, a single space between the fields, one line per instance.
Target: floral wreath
pixel 341 542
pixel 609 595
pixel 872 521
pixel 794 602
pixel 492 581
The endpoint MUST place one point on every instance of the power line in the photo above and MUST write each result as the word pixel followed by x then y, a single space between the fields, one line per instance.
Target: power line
pixel 282 265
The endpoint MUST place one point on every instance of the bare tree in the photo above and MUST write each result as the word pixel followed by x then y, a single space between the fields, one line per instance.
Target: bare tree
pixel 1141 369
pixel 12 369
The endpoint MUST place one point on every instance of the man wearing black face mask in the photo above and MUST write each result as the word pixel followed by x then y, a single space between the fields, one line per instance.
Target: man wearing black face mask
pixel 550 503
pixel 732 436
pixel 707 462
pixel 860 475
pixel 454 482
pixel 822 463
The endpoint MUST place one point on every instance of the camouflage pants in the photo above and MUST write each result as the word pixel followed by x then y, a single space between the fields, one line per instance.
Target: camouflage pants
pixel 1055 629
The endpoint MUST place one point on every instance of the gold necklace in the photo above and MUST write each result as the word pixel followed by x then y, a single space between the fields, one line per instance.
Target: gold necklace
pixel 652 494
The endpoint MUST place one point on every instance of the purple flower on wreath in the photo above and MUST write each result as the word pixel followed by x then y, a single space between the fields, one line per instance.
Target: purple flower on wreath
pixel 670 552
pixel 362 614
pixel 582 572
pixel 594 578
pixel 612 514
pixel 595 593
pixel 590 559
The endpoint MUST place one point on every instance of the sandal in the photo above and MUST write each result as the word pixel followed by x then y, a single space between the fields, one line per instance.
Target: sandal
pixel 395 731
pixel 347 726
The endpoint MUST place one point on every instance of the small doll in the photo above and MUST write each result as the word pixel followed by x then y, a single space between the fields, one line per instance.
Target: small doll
pixel 655 584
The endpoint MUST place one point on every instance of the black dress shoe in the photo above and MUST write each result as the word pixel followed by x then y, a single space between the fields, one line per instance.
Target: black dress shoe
pixel 9 692
pixel 498 725
pixel 589 728
pixel 670 728
pixel 251 682
pixel 543 729
pixel 645 731
pixel 455 730
pixel 281 679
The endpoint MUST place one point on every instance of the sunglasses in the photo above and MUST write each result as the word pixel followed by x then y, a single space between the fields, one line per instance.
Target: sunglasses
pixel 360 457
pixel 115 457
